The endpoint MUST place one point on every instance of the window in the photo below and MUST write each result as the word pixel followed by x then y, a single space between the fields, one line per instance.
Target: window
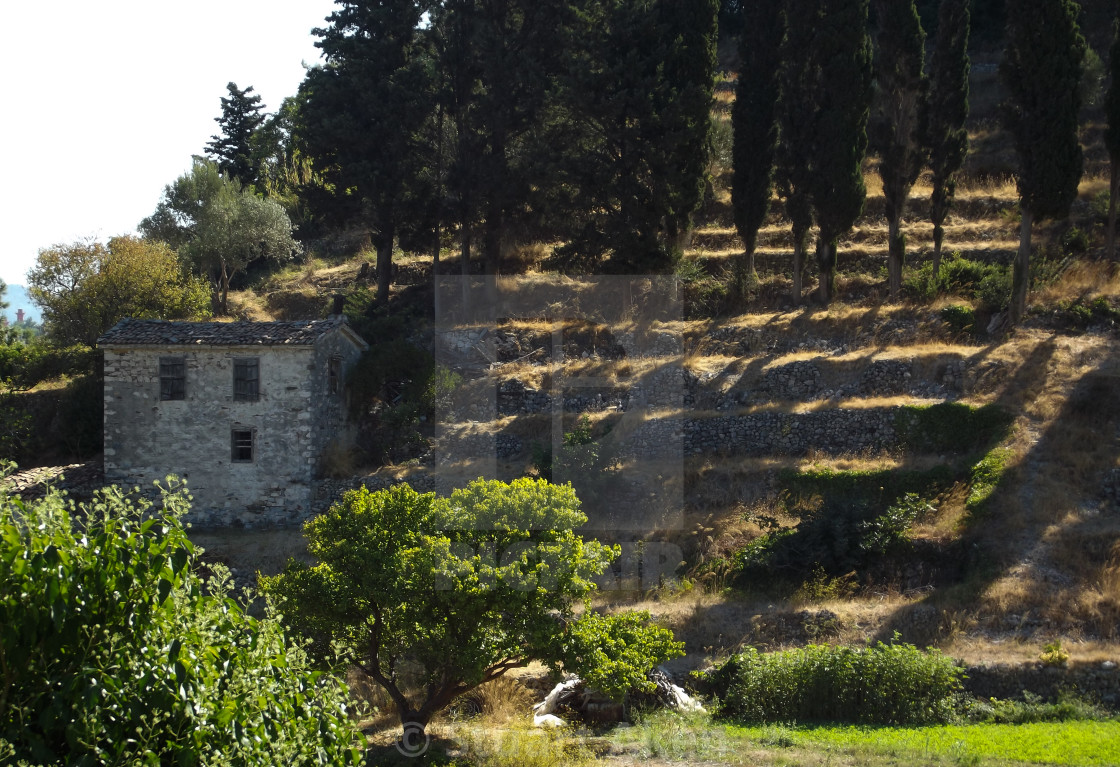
pixel 334 374
pixel 242 442
pixel 172 378
pixel 246 379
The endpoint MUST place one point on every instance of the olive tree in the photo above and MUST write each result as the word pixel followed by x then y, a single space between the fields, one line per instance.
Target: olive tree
pixel 443 594
pixel 218 227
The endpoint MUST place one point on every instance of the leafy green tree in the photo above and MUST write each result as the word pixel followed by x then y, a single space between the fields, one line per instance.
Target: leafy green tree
pixel 896 129
pixel 1112 137
pixel 947 111
pixel 86 287
pixel 219 227
pixel 363 112
pixel 3 292
pixel 114 651
pixel 754 120
pixel 841 52
pixel 234 148
pixel 460 590
pixel 1041 69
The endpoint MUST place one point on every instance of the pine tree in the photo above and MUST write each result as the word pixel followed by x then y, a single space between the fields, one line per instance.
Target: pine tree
pixel 1112 137
pixel 946 136
pixel 754 122
pixel 896 130
pixel 233 149
pixel 1041 70
pixel 364 109
pixel 842 101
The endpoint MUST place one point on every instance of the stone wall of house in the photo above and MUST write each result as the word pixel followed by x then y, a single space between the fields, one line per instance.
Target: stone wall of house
pixel 146 438
pixel 330 424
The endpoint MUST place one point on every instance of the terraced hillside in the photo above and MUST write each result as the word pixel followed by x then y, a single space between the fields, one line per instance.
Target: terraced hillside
pixel 780 472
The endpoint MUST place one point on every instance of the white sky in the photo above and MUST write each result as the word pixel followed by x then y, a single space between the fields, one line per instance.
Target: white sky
pixel 106 102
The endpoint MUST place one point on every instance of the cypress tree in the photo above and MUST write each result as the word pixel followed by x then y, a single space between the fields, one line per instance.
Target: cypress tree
pixel 754 123
pixel 947 111
pixel 796 120
pixel 497 60
pixel 690 31
pixel 842 50
pixel 632 125
pixel 896 129
pixel 1112 136
pixel 1041 70
pixel 364 109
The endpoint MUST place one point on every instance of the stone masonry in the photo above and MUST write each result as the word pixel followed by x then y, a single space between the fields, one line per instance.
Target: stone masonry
pixel 249 460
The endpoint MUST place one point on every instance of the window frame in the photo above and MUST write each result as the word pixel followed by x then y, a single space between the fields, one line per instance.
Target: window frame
pixel 172 370
pixel 237 442
pixel 334 374
pixel 246 388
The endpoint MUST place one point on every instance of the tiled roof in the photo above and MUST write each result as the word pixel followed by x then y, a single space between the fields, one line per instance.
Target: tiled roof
pixel 161 332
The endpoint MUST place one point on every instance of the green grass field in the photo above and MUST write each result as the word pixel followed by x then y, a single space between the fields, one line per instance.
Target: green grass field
pixel 698 739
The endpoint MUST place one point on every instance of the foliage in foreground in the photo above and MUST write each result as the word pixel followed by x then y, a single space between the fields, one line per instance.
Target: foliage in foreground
pixel 881 684
pixel 442 594
pixel 112 652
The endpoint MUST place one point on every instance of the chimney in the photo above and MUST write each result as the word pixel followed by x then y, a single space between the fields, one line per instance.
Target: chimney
pixel 337 300
pixel 19 315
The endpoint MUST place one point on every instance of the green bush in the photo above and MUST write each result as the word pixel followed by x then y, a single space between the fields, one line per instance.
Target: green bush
pixel 989 284
pixel 882 684
pixel 581 460
pixel 26 365
pixel 115 652
pixel 962 319
pixel 985 476
pixel 994 291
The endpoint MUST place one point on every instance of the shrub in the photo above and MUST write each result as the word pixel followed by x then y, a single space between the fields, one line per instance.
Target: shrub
pixel 115 652
pixel 987 283
pixel 882 684
pixel 26 365
pixel 961 319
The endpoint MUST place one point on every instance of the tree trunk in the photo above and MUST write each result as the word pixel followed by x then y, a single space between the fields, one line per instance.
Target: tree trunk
pixel 1022 268
pixel 938 236
pixel 896 254
pixel 435 270
pixel 225 289
pixel 465 260
pixel 826 263
pixel 1113 188
pixel 384 263
pixel 798 267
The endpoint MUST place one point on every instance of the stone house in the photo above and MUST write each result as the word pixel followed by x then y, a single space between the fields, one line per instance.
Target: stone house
pixel 243 411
